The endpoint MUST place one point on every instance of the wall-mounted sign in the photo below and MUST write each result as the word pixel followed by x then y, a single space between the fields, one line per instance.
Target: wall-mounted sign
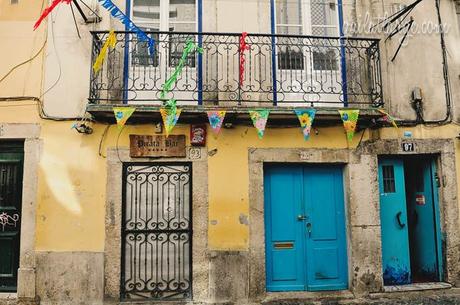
pixel 408 146
pixel 198 135
pixel 420 199
pixel 157 146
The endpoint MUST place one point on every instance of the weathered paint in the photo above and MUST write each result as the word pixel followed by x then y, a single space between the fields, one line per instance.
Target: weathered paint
pixel 394 226
pixel 305 228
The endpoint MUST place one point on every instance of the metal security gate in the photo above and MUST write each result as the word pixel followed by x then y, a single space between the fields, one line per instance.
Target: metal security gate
pixel 156 231
pixel 11 174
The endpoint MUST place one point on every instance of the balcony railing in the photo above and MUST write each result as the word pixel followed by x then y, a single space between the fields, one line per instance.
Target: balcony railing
pixel 279 70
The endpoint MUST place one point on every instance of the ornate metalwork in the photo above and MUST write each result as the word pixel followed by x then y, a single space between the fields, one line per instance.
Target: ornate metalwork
pixel 8 220
pixel 156 232
pixel 281 70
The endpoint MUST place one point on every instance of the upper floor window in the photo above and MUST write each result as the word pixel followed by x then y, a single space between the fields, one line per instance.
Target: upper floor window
pixel 299 17
pixel 164 16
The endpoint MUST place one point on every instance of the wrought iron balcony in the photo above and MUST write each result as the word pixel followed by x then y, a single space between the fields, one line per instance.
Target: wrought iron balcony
pixel 279 71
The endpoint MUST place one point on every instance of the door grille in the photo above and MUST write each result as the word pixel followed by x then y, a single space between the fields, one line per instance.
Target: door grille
pixel 156 231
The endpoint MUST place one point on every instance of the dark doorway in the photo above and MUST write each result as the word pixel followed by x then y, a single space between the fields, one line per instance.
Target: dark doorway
pixel 421 201
pixel 11 171
pixel 409 212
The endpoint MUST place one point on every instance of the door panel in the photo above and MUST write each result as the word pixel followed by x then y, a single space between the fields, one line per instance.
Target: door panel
pixel 284 234
pixel 11 164
pixel 326 246
pixel 305 228
pixel 423 239
pixel 393 215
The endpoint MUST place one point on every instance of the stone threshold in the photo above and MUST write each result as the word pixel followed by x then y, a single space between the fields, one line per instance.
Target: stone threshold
pixel 417 287
pixel 275 297
pixel 8 295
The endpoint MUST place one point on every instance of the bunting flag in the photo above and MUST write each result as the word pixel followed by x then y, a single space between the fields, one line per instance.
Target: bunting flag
pixel 110 42
pixel 350 120
pixel 306 117
pixel 190 46
pixel 48 10
pixel 243 47
pixel 216 118
pixel 122 115
pixel 259 119
pixel 170 116
pixel 388 118
pixel 130 26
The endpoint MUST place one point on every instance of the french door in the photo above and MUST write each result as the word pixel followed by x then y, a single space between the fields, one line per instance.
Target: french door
pixel 146 73
pixel 308 69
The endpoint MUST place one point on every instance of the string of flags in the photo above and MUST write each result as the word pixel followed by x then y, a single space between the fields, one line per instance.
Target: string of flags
pixel 115 12
pixel 259 117
pixel 48 10
pixel 110 42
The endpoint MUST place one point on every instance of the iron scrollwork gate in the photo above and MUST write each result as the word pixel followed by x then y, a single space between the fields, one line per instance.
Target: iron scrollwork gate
pixel 156 231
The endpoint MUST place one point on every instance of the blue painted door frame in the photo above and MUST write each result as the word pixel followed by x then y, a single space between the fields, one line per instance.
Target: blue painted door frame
pixel 200 56
pixel 305 228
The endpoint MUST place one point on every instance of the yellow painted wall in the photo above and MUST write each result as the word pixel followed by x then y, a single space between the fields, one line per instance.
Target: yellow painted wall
pixel 72 175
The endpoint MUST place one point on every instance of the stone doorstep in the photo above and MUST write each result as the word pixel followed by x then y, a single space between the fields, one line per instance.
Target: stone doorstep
pixel 429 289
pixel 294 297
pixel 417 287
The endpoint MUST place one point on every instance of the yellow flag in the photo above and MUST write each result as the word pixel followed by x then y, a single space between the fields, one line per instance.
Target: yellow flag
pixel 122 115
pixel 110 42
pixel 350 120
pixel 170 117
pixel 387 117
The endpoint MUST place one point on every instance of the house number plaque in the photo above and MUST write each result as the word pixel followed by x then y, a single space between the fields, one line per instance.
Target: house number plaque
pixel 157 146
pixel 408 146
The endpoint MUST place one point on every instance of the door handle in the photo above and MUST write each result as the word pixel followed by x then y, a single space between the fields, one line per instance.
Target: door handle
pixel 301 217
pixel 309 228
pixel 398 218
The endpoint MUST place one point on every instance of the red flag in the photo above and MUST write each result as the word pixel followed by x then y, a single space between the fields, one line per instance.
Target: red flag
pixel 48 10
pixel 243 47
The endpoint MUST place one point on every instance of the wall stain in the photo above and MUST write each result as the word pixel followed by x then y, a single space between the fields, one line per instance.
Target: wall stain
pixel 244 219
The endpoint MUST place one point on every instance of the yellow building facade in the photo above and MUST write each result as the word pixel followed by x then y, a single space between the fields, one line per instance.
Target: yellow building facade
pixel 73 188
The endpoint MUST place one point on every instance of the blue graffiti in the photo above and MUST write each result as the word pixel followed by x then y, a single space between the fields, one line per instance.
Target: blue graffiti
pixel 396 275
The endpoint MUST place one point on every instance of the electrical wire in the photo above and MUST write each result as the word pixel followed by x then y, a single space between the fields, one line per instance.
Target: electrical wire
pixel 102 140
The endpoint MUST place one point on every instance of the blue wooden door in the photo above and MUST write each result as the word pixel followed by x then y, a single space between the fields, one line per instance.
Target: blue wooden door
pixel 393 218
pixel 425 245
pixel 284 233
pixel 325 242
pixel 305 228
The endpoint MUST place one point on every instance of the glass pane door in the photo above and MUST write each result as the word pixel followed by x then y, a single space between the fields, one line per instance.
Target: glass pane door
pixel 308 67
pixel 146 73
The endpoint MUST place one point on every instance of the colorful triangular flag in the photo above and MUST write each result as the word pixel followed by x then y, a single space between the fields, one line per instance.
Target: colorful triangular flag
pixel 350 120
pixel 122 115
pixel 110 42
pixel 259 120
pixel 306 117
pixel 388 118
pixel 216 118
pixel 170 116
